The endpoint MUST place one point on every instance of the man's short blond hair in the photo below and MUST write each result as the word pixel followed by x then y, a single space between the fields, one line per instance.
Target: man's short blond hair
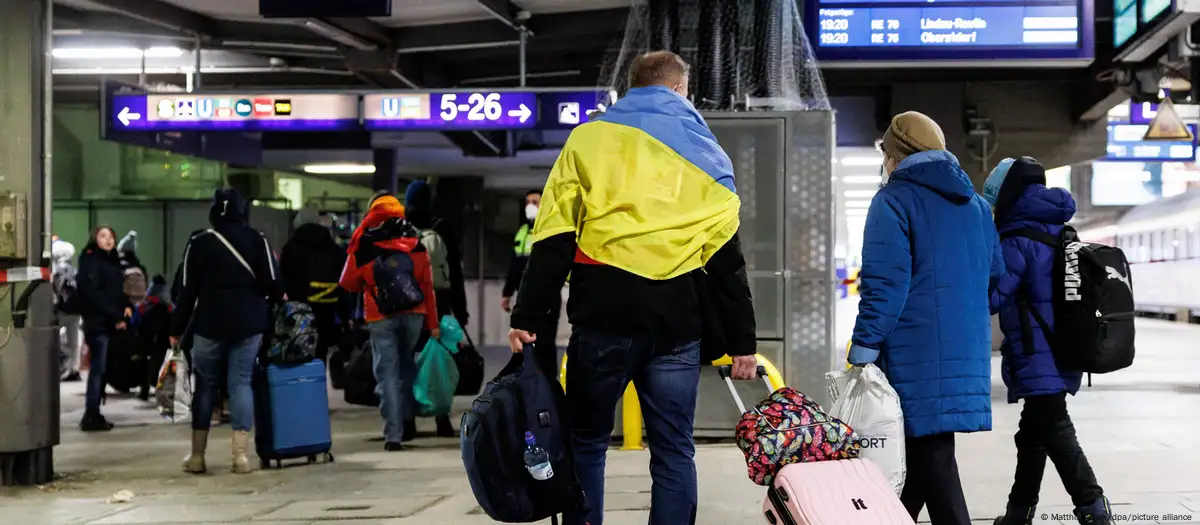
pixel 658 68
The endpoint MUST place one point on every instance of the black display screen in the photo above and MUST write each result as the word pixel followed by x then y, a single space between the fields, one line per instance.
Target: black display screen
pixel 324 8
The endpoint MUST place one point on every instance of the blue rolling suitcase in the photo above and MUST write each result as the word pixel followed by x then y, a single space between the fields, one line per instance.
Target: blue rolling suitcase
pixel 291 413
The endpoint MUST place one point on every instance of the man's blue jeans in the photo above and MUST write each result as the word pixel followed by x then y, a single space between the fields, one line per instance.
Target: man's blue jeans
pixel 208 357
pixel 393 343
pixel 667 376
pixel 97 363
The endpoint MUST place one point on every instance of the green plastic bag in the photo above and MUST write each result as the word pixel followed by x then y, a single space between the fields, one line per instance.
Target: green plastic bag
pixel 437 374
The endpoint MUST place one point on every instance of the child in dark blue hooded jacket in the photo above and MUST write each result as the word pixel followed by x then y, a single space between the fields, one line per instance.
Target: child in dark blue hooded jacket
pixel 1017 191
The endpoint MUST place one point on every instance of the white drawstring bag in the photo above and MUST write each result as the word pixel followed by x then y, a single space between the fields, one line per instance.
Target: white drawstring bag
pixel 173 393
pixel 863 398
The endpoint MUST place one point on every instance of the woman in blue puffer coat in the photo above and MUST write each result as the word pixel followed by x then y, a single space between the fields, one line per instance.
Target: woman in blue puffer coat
pixel 930 252
pixel 1022 202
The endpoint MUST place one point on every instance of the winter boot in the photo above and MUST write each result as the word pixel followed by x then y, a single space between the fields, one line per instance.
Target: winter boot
pixel 410 430
pixel 94 422
pixel 1016 515
pixel 241 463
pixel 1095 513
pixel 194 462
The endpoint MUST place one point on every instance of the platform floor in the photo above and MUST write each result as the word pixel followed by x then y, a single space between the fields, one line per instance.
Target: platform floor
pixel 1140 428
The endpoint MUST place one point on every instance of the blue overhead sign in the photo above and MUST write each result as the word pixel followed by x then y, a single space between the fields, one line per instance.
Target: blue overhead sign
pixel 1126 142
pixel 235 148
pixel 477 110
pixel 889 30
pixel 565 110
pixel 234 112
pixel 449 111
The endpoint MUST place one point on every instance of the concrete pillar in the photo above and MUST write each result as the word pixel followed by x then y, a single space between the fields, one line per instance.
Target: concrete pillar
pixel 29 404
pixel 385 170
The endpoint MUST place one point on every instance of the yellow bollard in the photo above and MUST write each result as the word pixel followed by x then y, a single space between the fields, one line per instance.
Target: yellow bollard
pixel 773 374
pixel 562 373
pixel 631 412
pixel 631 419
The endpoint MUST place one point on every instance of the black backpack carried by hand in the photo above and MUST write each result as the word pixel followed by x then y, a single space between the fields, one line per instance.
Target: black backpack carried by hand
pixel 521 399
pixel 1093 304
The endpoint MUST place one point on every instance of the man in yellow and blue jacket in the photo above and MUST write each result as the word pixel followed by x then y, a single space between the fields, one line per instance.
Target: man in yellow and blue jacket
pixel 641 210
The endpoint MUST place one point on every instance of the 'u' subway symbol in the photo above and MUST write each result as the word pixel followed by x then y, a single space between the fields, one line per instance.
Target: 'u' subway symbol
pixel 391 107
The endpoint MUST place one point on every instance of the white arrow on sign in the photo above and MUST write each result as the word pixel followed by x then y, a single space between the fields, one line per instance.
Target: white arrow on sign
pixel 125 116
pixel 522 112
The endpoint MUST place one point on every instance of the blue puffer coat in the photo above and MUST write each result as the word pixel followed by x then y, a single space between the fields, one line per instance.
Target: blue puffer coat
pixel 930 251
pixel 1029 265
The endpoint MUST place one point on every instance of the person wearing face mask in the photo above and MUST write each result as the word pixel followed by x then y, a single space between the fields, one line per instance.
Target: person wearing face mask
pixel 644 225
pixel 545 350
pixel 930 252
pixel 105 310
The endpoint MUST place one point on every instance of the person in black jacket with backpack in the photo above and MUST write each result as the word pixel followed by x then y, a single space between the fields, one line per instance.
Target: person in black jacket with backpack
pixel 229 278
pixel 311 263
pixel 105 310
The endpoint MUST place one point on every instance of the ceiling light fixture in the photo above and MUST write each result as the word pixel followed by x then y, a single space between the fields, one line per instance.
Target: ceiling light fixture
pixel 858 204
pixel 339 169
pixel 100 53
pixel 339 35
pixel 860 194
pixel 856 212
pixel 862 179
pixel 861 161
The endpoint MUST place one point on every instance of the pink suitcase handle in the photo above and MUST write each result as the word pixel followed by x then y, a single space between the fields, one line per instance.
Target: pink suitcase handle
pixel 726 373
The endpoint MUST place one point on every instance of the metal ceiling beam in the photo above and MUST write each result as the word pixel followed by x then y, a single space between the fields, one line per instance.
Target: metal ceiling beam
pixel 71 21
pixel 162 15
pixel 504 11
pixel 486 33
pixel 365 28
pixel 594 48
pixel 473 70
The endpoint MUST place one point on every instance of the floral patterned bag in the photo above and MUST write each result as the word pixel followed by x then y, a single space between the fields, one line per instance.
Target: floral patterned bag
pixel 789 427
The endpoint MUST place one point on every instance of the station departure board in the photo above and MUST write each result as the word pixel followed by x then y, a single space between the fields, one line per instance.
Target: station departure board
pixel 888 30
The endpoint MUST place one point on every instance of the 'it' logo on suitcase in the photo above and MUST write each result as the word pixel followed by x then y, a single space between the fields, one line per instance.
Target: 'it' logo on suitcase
pixel 858 504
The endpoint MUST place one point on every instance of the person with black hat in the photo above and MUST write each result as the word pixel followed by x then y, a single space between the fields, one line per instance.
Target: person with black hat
pixel 311 263
pixel 1017 191
pixel 229 279
pixel 445 258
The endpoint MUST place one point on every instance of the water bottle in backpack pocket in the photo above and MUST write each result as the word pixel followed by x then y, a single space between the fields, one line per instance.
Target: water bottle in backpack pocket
pixel 396 287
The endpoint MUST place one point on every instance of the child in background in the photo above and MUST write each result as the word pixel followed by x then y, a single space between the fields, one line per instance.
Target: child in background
pixel 152 319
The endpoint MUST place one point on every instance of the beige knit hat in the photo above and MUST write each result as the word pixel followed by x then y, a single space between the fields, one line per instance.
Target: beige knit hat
pixel 912 132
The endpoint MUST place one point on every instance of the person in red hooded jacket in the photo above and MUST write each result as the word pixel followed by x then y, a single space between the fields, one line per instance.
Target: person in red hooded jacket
pixel 383 232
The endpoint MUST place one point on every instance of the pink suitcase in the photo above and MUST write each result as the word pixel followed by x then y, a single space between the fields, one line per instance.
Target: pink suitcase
pixel 842 492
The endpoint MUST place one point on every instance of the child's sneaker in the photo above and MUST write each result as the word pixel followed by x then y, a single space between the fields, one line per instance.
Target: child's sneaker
pixel 1096 513
pixel 1016 515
